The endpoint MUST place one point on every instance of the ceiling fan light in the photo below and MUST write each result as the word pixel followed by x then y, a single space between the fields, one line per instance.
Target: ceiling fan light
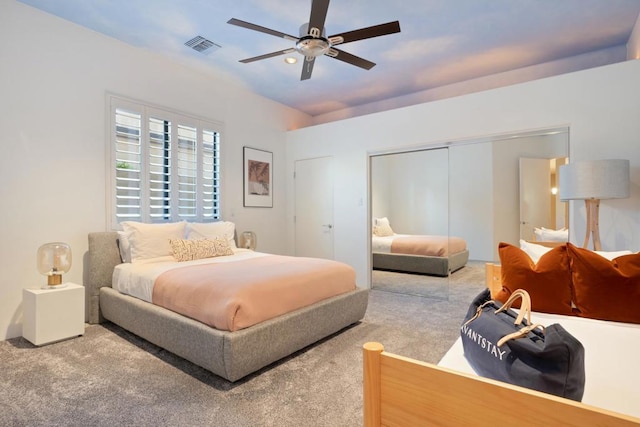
pixel 310 46
pixel 290 60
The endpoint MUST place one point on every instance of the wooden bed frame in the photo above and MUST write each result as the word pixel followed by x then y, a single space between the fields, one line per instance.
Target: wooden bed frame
pixel 231 355
pixel 399 391
pixel 436 266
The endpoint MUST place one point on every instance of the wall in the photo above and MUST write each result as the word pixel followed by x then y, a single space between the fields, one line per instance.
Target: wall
pixel 412 190
pixel 601 107
pixel 53 80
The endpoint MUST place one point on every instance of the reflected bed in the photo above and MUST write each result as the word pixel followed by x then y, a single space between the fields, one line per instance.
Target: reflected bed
pixel 432 255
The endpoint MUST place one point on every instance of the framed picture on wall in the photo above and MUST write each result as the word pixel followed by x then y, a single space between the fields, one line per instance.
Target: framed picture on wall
pixel 258 178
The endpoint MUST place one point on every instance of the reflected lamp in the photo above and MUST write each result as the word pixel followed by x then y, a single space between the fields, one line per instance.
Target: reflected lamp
pixel 593 181
pixel 54 260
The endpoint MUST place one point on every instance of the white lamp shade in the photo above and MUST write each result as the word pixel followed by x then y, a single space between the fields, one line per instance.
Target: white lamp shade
pixel 595 179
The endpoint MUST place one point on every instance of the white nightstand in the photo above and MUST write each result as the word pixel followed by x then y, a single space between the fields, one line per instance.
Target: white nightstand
pixel 53 314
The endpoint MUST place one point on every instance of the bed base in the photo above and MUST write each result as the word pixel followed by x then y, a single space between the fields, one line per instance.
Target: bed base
pixel 231 355
pixel 435 266
pixel 399 391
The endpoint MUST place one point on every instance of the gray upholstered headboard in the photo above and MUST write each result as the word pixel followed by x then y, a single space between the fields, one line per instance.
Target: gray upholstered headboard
pixel 102 258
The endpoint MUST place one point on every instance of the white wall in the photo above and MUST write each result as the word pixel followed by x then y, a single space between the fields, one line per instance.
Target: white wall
pixel 53 79
pixel 412 190
pixel 601 106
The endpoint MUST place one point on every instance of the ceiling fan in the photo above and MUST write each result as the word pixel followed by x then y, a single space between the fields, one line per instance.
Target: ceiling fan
pixel 313 43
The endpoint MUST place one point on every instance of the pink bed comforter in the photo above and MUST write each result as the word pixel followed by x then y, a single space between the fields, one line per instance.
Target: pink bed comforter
pixel 428 245
pixel 235 295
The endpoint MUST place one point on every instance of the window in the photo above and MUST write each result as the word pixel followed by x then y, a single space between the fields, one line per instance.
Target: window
pixel 165 166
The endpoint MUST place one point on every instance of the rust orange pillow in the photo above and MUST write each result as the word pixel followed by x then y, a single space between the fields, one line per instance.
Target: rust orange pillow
pixel 548 281
pixel 607 290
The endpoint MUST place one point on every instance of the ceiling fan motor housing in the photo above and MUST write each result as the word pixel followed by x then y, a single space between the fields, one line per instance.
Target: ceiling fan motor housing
pixel 312 46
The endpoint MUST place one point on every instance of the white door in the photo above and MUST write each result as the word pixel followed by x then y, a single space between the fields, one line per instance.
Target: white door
pixel 535 196
pixel 314 208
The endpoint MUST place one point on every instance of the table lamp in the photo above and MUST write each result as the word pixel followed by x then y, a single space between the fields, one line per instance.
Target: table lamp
pixel 249 240
pixel 593 181
pixel 54 259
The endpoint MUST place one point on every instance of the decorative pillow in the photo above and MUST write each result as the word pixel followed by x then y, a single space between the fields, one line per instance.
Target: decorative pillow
pixel 211 230
pixel 534 251
pixel 604 289
pixel 188 250
pixel 548 281
pixel 152 240
pixel 381 227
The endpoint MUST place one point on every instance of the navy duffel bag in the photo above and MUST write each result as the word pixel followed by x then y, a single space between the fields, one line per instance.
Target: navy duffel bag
pixel 503 345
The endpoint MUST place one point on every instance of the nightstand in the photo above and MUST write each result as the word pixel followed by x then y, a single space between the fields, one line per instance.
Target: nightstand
pixel 53 314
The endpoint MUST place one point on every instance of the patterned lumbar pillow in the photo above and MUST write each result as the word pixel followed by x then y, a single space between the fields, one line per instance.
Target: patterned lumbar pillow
pixel 188 250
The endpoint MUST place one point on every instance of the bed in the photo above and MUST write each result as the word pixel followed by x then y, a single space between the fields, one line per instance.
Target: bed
pixel 229 354
pixel 402 391
pixel 433 255
pixel 399 391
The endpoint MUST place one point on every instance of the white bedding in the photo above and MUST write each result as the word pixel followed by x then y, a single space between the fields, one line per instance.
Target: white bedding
pixel 611 360
pixel 383 244
pixel 137 279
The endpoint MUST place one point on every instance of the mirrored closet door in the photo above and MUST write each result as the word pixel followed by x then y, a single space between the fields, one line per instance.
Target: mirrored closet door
pixel 473 190
pixel 410 224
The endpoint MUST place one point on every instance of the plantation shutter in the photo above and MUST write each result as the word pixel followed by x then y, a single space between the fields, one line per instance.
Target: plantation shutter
pixel 167 166
pixel 128 153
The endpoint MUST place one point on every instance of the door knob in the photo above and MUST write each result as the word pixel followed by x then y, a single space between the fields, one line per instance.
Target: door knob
pixel 327 225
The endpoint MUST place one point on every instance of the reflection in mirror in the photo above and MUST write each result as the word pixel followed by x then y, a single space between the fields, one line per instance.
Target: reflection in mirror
pixel 469 189
pixel 410 227
pixel 543 217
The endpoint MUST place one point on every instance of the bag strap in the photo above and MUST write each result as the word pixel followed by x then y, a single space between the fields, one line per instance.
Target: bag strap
pixel 525 305
pixel 519 334
pixel 478 312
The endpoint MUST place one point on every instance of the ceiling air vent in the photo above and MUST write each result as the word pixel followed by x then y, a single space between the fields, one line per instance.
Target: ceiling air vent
pixel 202 45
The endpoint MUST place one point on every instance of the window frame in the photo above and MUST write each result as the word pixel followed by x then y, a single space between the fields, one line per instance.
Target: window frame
pixel 148 111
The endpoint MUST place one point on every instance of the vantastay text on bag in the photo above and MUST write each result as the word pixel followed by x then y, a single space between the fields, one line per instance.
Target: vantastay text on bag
pixel 482 342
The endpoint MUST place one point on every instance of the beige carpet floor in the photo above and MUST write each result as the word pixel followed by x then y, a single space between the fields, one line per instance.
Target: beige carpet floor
pixel 109 377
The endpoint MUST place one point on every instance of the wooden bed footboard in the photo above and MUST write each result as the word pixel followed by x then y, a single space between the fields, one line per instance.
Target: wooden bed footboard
pixel 399 391
pixel 493 277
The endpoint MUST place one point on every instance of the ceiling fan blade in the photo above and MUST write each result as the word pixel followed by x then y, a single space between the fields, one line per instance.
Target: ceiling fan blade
pixel 318 15
pixel 267 55
pixel 307 67
pixel 366 33
pixel 250 26
pixel 350 59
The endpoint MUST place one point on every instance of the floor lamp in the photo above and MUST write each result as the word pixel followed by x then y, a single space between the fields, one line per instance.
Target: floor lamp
pixel 593 181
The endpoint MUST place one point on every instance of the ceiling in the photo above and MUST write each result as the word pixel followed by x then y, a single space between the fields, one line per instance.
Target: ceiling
pixel 441 43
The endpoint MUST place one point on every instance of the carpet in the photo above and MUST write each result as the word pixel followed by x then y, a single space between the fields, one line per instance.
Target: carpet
pixel 425 285
pixel 110 377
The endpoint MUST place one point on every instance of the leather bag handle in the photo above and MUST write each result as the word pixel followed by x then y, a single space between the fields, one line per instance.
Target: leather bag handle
pixel 525 305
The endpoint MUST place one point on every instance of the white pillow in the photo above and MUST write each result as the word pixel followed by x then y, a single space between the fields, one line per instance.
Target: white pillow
pixel 211 230
pixel 534 251
pixel 124 246
pixel 381 221
pixel 152 240
pixel 611 255
pixel 547 235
